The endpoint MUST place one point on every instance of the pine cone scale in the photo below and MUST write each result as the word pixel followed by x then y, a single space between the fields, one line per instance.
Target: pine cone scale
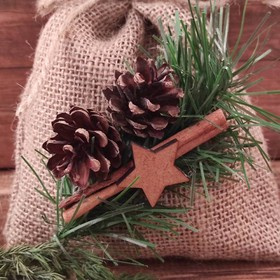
pixel 65 130
pixel 80 117
pixel 115 104
pixel 81 135
pixel 80 173
pixel 93 164
pixel 55 146
pixel 146 68
pixel 137 125
pixel 134 109
pixel 159 123
pixel 101 138
pixel 148 105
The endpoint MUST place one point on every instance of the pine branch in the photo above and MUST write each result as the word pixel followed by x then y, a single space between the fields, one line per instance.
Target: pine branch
pixel 211 79
pixel 47 261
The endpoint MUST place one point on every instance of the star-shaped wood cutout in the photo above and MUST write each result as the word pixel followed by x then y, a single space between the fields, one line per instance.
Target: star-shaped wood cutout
pixel 155 169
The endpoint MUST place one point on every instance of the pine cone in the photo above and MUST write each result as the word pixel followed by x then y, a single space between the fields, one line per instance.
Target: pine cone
pixel 145 103
pixel 85 143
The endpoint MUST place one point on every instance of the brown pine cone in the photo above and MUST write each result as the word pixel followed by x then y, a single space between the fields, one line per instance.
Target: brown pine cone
pixel 145 103
pixel 85 142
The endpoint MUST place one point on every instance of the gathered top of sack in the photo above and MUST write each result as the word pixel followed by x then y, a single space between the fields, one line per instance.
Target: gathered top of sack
pixel 45 7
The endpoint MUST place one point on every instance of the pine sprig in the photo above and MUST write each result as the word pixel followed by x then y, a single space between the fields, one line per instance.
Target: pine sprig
pixel 48 262
pixel 212 78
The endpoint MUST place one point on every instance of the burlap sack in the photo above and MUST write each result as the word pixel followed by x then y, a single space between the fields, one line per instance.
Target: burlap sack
pixel 79 49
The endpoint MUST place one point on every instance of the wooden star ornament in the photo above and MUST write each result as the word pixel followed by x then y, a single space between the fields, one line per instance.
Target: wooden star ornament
pixel 155 169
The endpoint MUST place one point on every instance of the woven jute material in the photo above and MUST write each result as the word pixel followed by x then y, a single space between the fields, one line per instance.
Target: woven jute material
pixel 79 49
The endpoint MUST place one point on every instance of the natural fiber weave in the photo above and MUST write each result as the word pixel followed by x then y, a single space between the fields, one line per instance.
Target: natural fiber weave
pixel 79 49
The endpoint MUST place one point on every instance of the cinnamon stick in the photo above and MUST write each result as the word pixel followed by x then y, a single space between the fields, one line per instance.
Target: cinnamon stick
pixel 117 175
pixel 187 139
pixel 197 134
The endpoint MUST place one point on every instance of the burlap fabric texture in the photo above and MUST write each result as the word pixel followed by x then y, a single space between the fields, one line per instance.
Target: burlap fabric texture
pixel 78 51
